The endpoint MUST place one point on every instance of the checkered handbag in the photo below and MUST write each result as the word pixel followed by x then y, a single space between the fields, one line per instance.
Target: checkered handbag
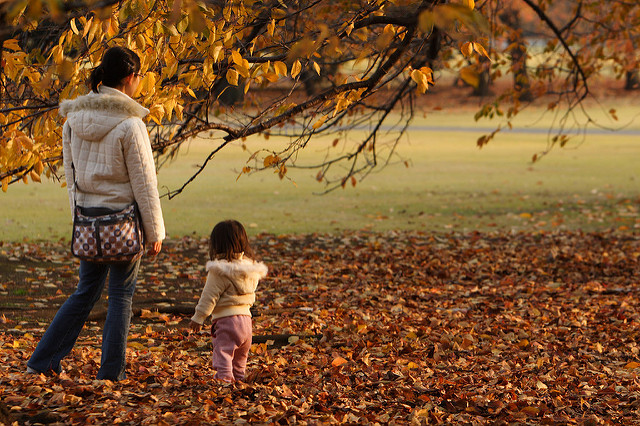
pixel 109 238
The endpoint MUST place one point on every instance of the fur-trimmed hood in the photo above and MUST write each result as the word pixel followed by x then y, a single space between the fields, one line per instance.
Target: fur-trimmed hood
pixel 94 115
pixel 244 273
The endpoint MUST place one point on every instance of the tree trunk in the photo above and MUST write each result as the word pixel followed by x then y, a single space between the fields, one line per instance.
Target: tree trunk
pixel 483 87
pixel 518 52
pixel 632 80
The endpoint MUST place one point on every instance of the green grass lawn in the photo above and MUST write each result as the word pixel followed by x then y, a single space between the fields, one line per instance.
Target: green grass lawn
pixel 450 185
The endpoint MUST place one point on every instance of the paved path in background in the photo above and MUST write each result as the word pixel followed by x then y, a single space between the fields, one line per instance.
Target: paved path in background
pixel 485 130
pixel 525 130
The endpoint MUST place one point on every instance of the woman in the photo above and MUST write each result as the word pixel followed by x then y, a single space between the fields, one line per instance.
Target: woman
pixel 108 164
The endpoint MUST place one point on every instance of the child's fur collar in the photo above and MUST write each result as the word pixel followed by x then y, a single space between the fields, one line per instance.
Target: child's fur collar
pixel 238 268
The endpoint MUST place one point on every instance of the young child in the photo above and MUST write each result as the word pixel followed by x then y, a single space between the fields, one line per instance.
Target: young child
pixel 228 294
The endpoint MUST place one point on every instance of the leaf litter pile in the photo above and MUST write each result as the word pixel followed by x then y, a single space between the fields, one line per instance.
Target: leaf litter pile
pixel 360 327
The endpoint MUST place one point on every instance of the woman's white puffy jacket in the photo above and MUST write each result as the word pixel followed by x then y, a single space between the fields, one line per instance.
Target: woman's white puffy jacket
pixel 107 142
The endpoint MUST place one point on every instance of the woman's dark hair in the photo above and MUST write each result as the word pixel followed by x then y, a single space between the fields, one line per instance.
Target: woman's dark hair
pixel 117 63
pixel 229 239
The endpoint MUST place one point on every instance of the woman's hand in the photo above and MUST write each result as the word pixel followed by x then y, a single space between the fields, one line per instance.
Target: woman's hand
pixel 154 248
pixel 195 326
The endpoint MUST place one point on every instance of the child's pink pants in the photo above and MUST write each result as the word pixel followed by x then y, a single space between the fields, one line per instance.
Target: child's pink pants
pixel 231 337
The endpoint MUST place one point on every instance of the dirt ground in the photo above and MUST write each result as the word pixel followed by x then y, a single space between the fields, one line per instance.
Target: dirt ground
pixel 35 278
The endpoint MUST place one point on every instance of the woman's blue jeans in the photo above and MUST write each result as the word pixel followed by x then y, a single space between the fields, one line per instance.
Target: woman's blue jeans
pixel 63 331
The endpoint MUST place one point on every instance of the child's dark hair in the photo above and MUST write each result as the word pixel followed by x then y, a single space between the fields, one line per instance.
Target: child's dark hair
pixel 229 239
pixel 117 63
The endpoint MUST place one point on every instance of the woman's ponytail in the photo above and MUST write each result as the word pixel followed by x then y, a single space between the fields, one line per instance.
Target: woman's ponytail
pixel 96 77
pixel 117 63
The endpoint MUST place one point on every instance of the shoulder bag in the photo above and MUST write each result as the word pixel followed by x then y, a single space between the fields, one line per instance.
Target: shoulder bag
pixel 115 237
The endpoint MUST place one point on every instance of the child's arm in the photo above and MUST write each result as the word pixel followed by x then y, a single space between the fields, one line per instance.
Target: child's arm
pixel 211 292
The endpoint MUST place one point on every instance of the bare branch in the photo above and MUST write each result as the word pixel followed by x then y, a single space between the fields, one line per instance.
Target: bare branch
pixel 579 71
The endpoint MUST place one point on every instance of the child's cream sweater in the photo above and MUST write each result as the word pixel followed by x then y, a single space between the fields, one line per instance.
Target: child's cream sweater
pixel 230 288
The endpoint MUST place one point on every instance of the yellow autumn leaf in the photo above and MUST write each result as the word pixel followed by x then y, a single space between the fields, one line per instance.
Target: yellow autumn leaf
pixel 282 171
pixel 319 123
pixel 348 29
pixel 237 57
pixel 57 54
pixel 421 80
pixel 296 68
pixel 34 176
pixel 422 413
pixel 146 313
pixel 270 160
pixel 5 184
pixel 169 105
pixel 467 49
pixel 272 77
pixel 74 28
pixel 135 345
pixel 23 141
pixel 480 49
pixel 245 170
pixel 149 83
pixel 93 32
pixel 632 365
pixel 470 76
pixel 114 26
pixel 232 77
pixel 243 68
pixel 11 44
pixel 66 69
pixel 156 113
pixel 271 26
pixel 87 27
pixel 280 68
pixel 338 361
pixel 316 67
pixel 386 37
pixel 471 4
pixel 217 52
pixel 278 13
pixel 38 167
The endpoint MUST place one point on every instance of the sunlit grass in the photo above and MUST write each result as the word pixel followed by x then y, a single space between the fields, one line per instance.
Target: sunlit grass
pixel 450 185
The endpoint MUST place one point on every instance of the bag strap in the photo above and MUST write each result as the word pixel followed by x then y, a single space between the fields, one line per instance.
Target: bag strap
pixel 75 187
pixel 75 184
pixel 75 178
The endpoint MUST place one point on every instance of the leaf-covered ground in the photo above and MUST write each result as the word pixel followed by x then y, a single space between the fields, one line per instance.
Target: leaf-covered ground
pixel 378 328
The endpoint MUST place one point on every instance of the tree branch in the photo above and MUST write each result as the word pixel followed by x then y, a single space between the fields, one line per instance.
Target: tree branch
pixel 579 71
